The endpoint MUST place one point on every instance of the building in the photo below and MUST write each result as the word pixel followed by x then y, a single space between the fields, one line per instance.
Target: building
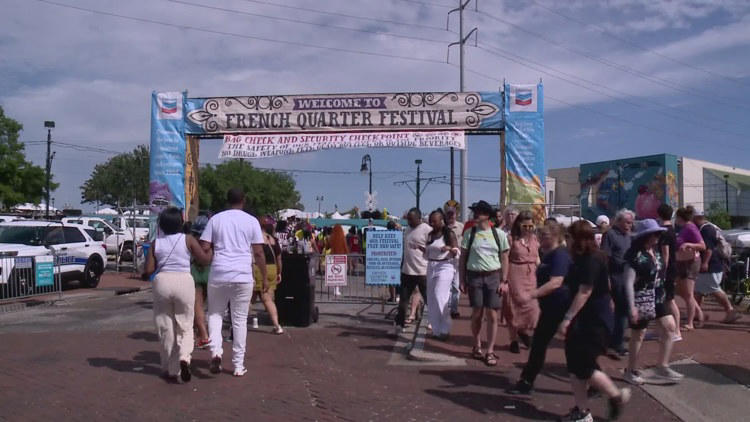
pixel 644 183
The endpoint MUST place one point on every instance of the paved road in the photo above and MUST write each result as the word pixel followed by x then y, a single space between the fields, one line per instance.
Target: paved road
pixel 96 358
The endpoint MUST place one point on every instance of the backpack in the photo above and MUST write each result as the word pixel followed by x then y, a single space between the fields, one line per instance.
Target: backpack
pixel 723 248
pixel 471 242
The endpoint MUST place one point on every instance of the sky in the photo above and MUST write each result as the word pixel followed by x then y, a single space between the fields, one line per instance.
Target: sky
pixel 622 78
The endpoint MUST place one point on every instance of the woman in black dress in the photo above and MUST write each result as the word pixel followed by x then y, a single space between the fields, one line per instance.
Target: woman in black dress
pixel 587 325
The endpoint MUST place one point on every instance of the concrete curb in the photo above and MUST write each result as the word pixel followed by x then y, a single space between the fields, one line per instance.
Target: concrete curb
pixel 31 302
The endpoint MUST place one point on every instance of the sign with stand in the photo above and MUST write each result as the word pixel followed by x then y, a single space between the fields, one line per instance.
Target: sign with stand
pixel 336 266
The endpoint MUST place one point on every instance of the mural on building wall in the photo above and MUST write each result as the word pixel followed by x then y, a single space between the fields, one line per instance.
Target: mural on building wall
pixel 640 184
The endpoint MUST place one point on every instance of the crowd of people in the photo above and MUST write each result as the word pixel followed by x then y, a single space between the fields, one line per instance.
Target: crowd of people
pixel 586 284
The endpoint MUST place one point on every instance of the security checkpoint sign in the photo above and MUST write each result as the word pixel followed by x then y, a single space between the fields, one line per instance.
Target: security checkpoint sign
pixel 383 255
pixel 336 266
pixel 45 271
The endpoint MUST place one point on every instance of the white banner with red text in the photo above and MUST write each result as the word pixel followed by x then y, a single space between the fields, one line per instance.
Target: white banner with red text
pixel 263 146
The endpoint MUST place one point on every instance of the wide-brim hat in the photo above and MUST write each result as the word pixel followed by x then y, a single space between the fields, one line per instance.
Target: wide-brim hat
pixel 647 227
pixel 481 207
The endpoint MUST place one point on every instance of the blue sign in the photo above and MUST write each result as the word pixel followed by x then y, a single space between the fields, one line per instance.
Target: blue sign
pixel 383 255
pixel 45 271
pixel 167 166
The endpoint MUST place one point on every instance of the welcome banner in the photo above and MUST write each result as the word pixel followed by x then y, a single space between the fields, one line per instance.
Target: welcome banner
pixel 272 145
pixel 524 146
pixel 167 166
pixel 414 111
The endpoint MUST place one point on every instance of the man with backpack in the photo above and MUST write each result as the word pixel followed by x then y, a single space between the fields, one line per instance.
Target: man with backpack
pixel 482 270
pixel 713 260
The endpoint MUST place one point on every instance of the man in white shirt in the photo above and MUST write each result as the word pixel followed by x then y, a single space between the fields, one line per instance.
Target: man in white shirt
pixel 414 264
pixel 237 241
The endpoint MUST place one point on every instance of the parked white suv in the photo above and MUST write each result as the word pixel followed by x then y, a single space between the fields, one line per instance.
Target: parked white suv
pixel 79 256
pixel 116 239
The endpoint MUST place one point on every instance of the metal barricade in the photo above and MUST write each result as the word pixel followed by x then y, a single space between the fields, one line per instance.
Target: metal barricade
pixel 355 291
pixel 28 276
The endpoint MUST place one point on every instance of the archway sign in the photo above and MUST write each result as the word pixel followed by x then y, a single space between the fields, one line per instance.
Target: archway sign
pixel 275 125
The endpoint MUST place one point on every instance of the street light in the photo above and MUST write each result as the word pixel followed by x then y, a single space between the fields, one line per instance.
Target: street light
pixel 49 124
pixel 418 163
pixel 319 199
pixel 726 192
pixel 367 167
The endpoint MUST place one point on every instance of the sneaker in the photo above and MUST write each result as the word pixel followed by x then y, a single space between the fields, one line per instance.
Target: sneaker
pixel 634 377
pixel 239 372
pixel 732 317
pixel 185 373
pixel 202 344
pixel 455 315
pixel 278 330
pixel 668 374
pixel 577 415
pixel 521 388
pixel 617 404
pixel 215 367
pixel 676 338
pixel 514 347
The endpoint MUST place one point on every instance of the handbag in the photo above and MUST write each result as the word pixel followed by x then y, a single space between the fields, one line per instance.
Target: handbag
pixel 645 303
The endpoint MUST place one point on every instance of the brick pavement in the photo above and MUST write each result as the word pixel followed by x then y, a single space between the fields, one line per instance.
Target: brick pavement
pixel 335 370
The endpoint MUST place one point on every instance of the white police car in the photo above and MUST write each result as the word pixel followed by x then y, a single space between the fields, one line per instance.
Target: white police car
pixel 79 256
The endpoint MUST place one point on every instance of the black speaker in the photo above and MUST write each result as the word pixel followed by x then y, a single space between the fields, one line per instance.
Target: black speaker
pixel 295 296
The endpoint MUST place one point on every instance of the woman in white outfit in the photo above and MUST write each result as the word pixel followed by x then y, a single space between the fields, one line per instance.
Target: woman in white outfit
pixel 174 292
pixel 441 249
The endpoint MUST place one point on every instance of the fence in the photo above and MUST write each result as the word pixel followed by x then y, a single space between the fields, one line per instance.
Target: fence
pixel 355 291
pixel 27 276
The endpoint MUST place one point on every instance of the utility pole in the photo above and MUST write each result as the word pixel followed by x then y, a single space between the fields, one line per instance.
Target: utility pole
pixel 419 188
pixel 319 199
pixel 464 167
pixel 49 124
pixel 726 192
pixel 418 163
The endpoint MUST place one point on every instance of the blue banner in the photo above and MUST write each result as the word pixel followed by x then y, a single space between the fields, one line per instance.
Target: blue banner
pixel 45 271
pixel 524 146
pixel 383 253
pixel 167 167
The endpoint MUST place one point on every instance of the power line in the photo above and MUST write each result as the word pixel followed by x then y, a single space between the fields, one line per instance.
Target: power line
pixel 299 21
pixel 536 66
pixel 344 15
pixel 630 122
pixel 233 34
pixel 428 3
pixel 622 68
pixel 636 45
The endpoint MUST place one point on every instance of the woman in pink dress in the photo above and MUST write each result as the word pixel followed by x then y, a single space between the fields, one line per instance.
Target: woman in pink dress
pixel 522 314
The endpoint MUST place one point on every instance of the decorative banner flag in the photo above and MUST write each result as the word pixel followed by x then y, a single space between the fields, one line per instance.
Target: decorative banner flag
pixel 272 145
pixel 476 111
pixel 524 146
pixel 167 166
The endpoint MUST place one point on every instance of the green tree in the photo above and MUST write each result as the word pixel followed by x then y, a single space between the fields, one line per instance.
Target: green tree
pixel 20 180
pixel 266 191
pixel 117 180
pixel 717 214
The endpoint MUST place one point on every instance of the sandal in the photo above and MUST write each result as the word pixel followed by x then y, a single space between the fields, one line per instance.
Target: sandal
pixel 490 359
pixel 278 330
pixel 409 321
pixel 476 353
pixel 687 328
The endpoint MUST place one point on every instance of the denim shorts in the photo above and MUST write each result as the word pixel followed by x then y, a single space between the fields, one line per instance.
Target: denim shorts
pixel 483 289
